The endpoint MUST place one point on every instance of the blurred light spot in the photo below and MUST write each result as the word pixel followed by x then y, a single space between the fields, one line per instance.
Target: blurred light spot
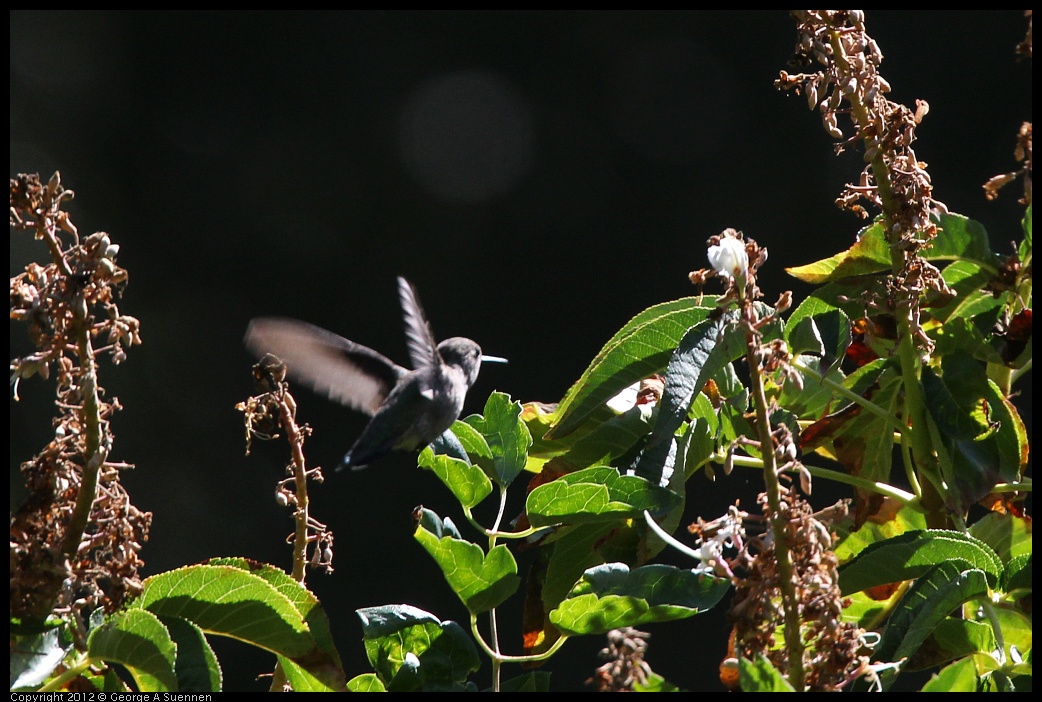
pixel 466 136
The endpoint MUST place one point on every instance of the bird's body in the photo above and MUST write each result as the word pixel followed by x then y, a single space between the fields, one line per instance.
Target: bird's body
pixel 409 408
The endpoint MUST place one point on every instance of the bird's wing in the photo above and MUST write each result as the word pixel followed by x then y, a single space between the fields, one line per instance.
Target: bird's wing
pixel 343 371
pixel 423 349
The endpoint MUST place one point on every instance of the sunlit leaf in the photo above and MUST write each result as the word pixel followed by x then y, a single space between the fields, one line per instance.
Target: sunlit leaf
pixel 480 580
pixel 596 494
pixel 612 596
pixel 639 350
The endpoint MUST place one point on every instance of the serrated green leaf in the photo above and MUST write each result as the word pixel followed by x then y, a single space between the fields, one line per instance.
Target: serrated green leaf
pixel 928 601
pixel 467 481
pixel 912 554
pixel 196 667
pixel 137 640
pixel 482 581
pixel 1017 575
pixel 229 601
pixel 639 350
pixel 596 494
pixel 612 596
pixel 819 329
pixel 412 650
pixel 505 434
pixel 760 675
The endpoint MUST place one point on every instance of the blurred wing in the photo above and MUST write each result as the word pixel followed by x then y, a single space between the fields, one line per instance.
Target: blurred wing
pixel 423 349
pixel 343 371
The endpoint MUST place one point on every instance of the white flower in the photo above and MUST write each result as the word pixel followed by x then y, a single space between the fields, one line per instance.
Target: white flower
pixel 729 258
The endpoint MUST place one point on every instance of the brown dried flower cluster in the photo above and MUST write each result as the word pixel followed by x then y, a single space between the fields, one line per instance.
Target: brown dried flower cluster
pixel 264 414
pixel 833 652
pixel 893 180
pixel 75 541
pixel 625 664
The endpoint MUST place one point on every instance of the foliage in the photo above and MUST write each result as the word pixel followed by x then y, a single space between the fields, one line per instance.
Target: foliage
pixel 896 377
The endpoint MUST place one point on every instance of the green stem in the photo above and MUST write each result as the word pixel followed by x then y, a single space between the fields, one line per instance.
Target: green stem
pixel 68 676
pixel 838 476
pixel 849 394
pixel 533 658
pixel 915 437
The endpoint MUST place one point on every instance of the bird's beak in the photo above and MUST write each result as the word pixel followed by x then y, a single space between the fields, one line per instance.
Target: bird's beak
pixel 493 359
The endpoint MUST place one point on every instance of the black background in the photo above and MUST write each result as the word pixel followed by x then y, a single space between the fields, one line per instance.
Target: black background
pixel 540 177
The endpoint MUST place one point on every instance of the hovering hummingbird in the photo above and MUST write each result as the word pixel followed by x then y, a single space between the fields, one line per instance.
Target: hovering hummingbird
pixel 409 408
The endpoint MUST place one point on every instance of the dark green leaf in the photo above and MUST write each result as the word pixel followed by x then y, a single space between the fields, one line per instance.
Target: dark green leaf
pixel 535 681
pixel 704 350
pixel 412 650
pixel 912 554
pixel 197 668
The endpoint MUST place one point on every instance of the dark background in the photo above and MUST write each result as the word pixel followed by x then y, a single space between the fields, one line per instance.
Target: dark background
pixel 540 177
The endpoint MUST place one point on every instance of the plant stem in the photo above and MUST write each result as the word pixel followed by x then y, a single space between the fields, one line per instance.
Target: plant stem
pixel 786 572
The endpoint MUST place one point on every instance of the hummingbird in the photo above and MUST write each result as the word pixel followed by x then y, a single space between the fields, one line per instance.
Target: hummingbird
pixel 409 408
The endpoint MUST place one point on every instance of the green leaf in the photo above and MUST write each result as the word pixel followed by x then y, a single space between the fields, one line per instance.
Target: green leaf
pixel 978 428
pixel 1008 535
pixel 482 581
pixel 953 639
pixel 322 673
pixel 137 640
pixel 612 596
pixel 655 683
pixel 535 681
pixel 818 329
pixel 961 239
pixel 467 481
pixel 927 603
pixel 960 676
pixel 596 494
pixel 639 350
pixel 912 554
pixel 366 682
pixel 507 436
pixel 197 668
pixel 760 675
pixel 870 254
pixel 1017 575
pixel 412 650
pixel 875 530
pixel 703 351
pixel 229 601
